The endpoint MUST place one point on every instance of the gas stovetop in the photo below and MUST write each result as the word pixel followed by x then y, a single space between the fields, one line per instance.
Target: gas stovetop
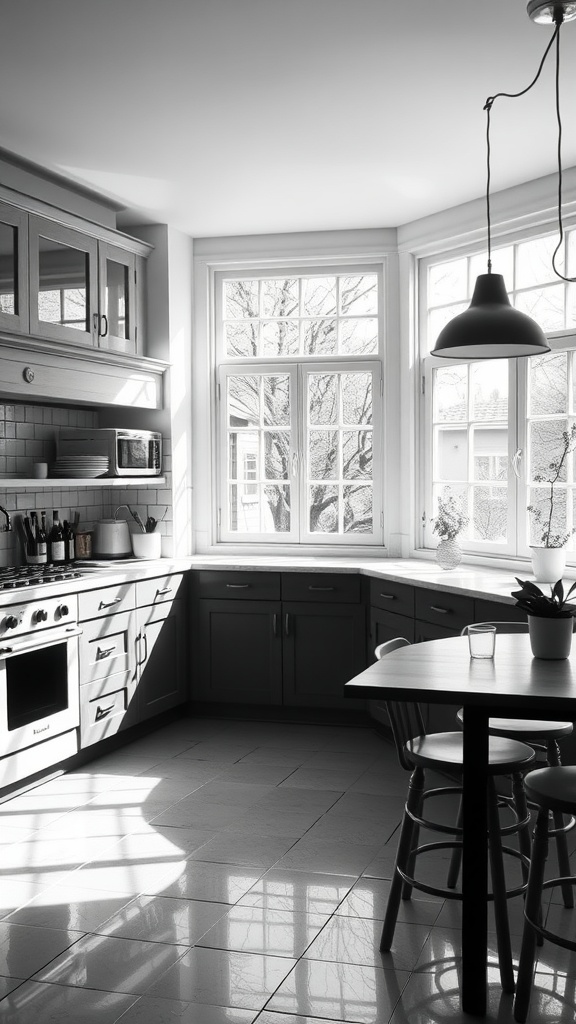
pixel 17 577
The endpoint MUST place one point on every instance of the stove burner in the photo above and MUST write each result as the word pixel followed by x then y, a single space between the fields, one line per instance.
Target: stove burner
pixel 16 577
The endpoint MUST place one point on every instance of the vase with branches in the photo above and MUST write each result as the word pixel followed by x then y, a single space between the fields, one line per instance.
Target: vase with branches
pixel 448 523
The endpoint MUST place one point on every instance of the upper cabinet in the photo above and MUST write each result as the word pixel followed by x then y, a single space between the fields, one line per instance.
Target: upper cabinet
pixel 13 269
pixel 82 289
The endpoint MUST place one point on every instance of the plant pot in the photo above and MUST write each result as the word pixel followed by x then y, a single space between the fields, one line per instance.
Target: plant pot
pixel 548 564
pixel 448 554
pixel 550 639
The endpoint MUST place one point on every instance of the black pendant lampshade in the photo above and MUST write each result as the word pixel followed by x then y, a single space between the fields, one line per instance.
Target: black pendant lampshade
pixel 490 328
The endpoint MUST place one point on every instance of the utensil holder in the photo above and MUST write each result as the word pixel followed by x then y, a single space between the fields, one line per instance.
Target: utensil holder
pixel 147 545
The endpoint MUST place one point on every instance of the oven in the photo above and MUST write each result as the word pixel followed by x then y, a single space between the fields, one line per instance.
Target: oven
pixel 39 672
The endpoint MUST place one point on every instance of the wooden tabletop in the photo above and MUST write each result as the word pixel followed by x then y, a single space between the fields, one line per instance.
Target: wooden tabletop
pixel 442 672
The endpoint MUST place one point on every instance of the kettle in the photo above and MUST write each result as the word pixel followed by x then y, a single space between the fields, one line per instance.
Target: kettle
pixel 112 538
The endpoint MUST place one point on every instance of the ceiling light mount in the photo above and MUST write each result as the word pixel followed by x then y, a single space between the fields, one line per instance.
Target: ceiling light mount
pixel 550 12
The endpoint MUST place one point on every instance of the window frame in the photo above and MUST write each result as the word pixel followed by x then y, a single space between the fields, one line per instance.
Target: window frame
pixel 300 365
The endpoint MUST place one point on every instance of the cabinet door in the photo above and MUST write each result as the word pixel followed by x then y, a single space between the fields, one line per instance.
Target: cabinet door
pixel 63 283
pixel 13 270
pixel 323 647
pixel 161 658
pixel 239 652
pixel 116 327
pixel 387 626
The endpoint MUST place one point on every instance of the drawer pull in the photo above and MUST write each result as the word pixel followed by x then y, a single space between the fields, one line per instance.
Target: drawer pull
pixel 437 608
pixel 323 589
pixel 165 590
pixel 238 586
pixel 108 604
pixel 388 597
pixel 102 712
pixel 287 625
pixel 275 624
pixel 105 652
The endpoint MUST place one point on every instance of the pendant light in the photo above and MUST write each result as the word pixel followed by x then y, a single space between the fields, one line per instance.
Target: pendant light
pixel 491 328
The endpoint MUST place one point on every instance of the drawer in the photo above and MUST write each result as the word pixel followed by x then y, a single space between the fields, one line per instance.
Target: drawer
pixel 106 600
pixel 105 708
pixel 319 586
pixel 451 611
pixel 496 611
pixel 255 586
pixel 391 596
pixel 107 646
pixel 159 589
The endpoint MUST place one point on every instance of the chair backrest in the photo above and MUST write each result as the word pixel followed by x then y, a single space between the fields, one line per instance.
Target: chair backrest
pixel 501 627
pixel 405 717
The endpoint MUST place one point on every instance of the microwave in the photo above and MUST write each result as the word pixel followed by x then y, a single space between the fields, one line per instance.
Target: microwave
pixel 129 452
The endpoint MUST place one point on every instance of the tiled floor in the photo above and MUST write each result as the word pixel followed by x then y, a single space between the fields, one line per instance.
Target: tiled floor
pixel 224 873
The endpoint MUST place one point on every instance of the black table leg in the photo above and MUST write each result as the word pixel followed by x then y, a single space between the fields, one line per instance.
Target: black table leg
pixel 475 862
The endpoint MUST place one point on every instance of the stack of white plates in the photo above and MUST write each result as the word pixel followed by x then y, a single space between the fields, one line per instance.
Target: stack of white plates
pixel 81 466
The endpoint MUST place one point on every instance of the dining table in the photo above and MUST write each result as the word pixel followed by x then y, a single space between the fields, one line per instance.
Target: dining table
pixel 511 684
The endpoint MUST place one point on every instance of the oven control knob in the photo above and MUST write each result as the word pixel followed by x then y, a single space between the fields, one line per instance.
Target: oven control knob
pixel 63 610
pixel 10 622
pixel 40 615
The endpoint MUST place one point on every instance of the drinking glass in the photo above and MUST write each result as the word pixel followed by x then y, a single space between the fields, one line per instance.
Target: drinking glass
pixel 482 641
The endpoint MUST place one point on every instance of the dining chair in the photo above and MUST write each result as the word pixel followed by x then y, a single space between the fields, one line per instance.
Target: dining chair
pixel 543 737
pixel 443 752
pixel 553 791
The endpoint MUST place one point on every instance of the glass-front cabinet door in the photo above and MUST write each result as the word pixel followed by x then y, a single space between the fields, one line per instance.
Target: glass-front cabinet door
pixel 63 283
pixel 116 327
pixel 13 269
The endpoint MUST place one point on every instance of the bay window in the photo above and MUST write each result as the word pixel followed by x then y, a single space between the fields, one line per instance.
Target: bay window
pixel 492 428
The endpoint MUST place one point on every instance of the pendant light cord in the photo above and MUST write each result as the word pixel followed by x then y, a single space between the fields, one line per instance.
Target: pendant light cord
pixel 515 95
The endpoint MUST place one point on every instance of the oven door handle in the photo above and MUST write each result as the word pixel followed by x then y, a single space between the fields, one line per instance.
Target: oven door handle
pixel 40 640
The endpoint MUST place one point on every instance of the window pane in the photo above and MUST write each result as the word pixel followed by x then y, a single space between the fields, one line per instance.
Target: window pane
pixel 489 390
pixel 276 506
pixel 545 305
pixel 451 394
pixel 276 455
pixel 279 298
pixel 241 339
pixel 319 337
pixel 356 398
pixel 534 261
pixel 244 400
pixel 323 506
pixel 447 281
pixel 322 398
pixel 276 395
pixel 240 299
pixel 359 294
pixel 551 519
pixel 547 384
pixel 243 450
pixel 358 509
pixel 358 337
pixel 356 454
pixel 438 318
pixel 490 514
pixel 545 444
pixel 502 263
pixel 451 447
pixel 280 338
pixel 323 455
pixel 318 296
pixel 8 268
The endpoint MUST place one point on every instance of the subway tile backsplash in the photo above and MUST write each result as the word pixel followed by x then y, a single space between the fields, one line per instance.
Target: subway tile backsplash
pixel 28 435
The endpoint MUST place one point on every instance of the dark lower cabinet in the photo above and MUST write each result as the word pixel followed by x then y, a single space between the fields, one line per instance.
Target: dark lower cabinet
pixel 323 647
pixel 239 648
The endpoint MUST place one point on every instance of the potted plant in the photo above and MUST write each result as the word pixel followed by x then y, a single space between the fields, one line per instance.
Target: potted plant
pixel 550 618
pixel 548 557
pixel 448 522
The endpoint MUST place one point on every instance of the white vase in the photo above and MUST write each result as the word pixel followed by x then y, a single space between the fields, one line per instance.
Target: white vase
pixel 548 564
pixel 550 639
pixel 448 554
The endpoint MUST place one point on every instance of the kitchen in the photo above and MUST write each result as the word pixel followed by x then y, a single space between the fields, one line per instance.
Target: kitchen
pixel 305 838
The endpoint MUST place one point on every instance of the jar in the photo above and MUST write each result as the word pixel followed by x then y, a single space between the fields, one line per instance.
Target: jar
pixel 83 543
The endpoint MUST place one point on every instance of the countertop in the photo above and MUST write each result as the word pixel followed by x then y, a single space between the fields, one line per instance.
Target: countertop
pixel 473 581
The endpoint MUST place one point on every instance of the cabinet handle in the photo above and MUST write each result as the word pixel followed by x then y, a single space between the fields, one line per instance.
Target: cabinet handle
pixel 321 588
pixel 139 638
pixel 388 597
pixel 165 590
pixel 105 652
pixel 437 608
pixel 108 604
pixel 103 333
pixel 275 624
pixel 102 712
pixel 238 586
pixel 145 639
pixel 287 625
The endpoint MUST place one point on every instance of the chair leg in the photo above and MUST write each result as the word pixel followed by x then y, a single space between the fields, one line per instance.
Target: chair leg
pixel 456 858
pixel 534 911
pixel 499 891
pixel 405 845
pixel 521 807
pixel 554 760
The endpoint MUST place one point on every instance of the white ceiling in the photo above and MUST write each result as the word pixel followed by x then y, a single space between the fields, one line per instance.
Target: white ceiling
pixel 225 117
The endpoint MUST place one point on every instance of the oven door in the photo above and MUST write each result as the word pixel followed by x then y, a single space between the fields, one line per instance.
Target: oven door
pixel 39 688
